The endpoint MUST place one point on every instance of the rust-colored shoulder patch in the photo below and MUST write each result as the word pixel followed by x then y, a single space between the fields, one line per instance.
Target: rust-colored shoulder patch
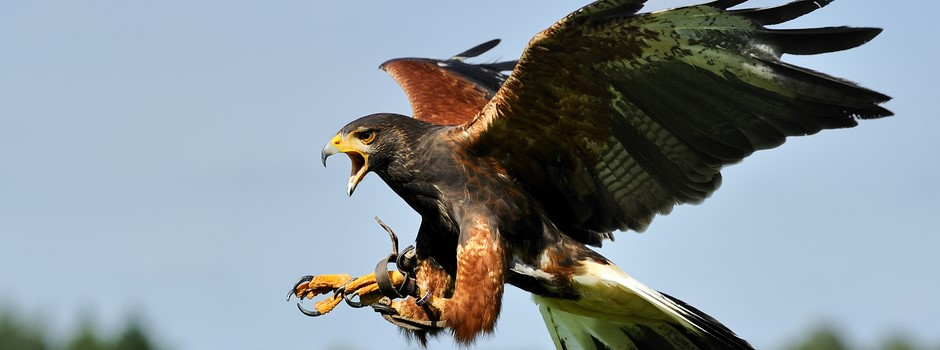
pixel 437 95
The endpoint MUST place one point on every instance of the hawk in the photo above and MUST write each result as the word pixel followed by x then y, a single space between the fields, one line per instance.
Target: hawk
pixel 608 119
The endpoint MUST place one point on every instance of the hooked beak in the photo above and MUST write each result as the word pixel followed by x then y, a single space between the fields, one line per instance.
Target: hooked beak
pixel 359 160
pixel 328 151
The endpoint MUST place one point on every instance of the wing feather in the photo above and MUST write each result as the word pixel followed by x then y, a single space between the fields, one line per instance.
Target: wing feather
pixel 783 13
pixel 612 117
pixel 448 92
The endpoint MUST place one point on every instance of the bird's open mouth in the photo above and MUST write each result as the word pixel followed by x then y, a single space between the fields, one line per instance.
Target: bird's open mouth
pixel 359 169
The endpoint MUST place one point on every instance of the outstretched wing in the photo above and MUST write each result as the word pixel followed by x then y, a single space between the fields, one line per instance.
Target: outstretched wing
pixel 449 92
pixel 611 117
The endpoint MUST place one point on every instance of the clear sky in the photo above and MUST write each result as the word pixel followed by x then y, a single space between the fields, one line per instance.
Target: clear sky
pixel 160 159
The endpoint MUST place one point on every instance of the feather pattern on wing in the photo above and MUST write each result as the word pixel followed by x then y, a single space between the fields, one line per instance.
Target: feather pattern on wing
pixel 613 117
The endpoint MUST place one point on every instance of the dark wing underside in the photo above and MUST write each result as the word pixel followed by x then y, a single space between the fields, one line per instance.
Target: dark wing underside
pixel 448 92
pixel 611 118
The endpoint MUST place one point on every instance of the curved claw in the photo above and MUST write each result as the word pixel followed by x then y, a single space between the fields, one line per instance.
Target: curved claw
pixel 311 313
pixel 352 303
pixel 341 289
pixel 348 297
pixel 384 306
pixel 293 291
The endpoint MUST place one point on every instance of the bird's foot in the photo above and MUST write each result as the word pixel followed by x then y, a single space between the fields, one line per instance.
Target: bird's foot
pixel 310 286
pixel 359 292
pixel 366 290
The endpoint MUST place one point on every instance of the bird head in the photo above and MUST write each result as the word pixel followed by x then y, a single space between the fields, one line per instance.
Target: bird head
pixel 371 142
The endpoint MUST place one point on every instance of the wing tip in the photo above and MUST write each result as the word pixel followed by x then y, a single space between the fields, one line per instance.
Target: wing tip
pixel 875 112
pixel 476 50
pixel 812 41
pixel 782 13
pixel 725 4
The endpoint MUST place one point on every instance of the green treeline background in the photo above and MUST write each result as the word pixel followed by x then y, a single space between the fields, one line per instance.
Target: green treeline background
pixel 21 333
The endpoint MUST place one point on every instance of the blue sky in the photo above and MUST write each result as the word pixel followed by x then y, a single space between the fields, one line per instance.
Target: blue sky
pixel 161 160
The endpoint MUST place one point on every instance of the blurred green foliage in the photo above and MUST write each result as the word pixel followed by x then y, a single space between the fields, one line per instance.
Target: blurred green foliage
pixel 823 338
pixel 826 337
pixel 19 333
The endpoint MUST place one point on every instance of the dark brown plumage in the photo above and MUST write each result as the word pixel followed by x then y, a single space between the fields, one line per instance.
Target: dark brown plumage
pixel 608 119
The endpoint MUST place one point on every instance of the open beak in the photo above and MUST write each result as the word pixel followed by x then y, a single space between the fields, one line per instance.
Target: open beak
pixel 358 158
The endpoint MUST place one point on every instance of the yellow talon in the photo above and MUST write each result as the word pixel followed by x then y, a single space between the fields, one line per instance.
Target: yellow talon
pixel 365 287
pixel 310 287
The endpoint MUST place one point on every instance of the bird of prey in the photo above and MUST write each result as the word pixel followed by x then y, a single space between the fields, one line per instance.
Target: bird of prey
pixel 608 119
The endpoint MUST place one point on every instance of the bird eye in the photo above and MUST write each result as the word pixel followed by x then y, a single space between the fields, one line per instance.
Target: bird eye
pixel 366 136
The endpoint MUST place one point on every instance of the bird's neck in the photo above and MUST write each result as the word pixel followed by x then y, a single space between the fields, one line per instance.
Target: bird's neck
pixel 422 174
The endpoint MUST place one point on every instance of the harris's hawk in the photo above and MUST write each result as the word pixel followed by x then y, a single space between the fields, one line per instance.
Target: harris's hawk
pixel 609 118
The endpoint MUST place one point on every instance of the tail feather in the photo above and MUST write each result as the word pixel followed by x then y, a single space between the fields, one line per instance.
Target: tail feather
pixel 616 311
pixel 711 325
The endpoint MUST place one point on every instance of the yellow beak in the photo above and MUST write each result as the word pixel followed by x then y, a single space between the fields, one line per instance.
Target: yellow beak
pixel 358 158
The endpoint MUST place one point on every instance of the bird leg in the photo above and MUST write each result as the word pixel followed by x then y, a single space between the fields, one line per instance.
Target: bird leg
pixel 412 297
pixel 420 296
pixel 467 303
pixel 421 311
